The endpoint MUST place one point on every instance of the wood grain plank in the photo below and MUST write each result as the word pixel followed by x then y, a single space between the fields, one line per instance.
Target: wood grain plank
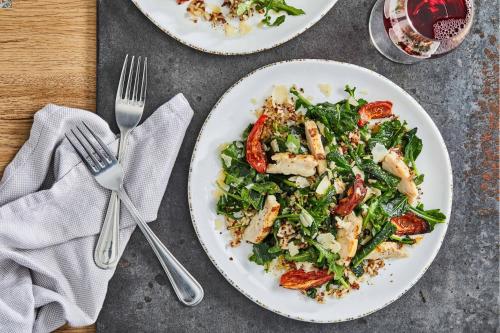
pixel 47 55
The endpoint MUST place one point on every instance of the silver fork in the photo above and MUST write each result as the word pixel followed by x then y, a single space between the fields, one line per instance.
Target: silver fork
pixel 128 113
pixel 108 172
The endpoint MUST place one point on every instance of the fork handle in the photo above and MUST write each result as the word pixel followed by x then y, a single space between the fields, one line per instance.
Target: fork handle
pixel 106 253
pixel 187 289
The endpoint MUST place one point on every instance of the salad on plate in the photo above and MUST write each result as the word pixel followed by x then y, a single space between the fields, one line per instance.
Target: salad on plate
pixel 325 192
pixel 235 16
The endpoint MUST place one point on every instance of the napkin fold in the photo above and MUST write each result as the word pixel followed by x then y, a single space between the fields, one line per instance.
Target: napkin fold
pixel 52 209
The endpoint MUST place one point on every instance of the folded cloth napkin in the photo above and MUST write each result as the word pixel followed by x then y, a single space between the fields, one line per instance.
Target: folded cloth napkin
pixel 47 236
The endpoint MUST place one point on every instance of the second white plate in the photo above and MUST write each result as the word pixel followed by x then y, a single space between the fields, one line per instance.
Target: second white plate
pixel 172 19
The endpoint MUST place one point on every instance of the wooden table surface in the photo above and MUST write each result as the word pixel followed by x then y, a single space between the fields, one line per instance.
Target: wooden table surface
pixel 47 55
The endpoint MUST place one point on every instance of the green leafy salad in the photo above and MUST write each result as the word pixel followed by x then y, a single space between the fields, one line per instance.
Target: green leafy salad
pixel 325 192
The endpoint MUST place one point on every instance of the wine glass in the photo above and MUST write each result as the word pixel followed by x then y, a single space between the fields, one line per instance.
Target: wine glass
pixel 408 31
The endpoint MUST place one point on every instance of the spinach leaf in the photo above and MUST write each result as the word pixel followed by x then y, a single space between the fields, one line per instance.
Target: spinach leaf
pixel 261 254
pixel 374 170
pixel 311 292
pixel 265 187
pixel 275 5
pixel 413 147
pixel 341 164
pixel 307 255
pixel 389 134
pixel 397 206
pixel 433 216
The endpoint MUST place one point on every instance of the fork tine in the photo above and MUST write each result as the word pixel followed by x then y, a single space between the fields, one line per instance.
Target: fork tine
pixel 111 156
pixel 93 167
pixel 129 78
pixel 105 159
pixel 136 81
pixel 84 142
pixel 119 91
pixel 144 83
pixel 81 152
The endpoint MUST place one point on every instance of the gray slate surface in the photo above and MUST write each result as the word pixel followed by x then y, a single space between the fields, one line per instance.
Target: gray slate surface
pixel 460 91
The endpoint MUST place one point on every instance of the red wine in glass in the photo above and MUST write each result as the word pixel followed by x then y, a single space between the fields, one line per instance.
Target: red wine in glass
pixel 420 29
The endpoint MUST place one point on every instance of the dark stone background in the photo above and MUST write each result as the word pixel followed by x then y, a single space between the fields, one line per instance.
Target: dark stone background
pixel 459 292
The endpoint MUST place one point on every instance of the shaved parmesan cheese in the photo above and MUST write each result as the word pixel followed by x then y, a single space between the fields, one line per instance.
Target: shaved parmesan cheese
pixel 305 266
pixel 305 218
pixel 328 241
pixel 219 224
pixel 323 186
pixel 275 146
pixel 379 152
pixel 339 186
pixel 245 28
pixel 280 94
pixel 301 182
pixel 293 249
pixel 326 89
pixel 227 160
pixel 230 30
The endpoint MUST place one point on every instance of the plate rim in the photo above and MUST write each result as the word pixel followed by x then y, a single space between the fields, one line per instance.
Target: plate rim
pixel 281 41
pixel 403 92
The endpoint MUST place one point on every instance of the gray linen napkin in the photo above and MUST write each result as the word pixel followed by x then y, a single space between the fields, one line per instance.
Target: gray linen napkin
pixel 47 237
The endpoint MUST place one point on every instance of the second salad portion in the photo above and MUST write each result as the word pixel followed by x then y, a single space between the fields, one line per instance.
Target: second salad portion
pixel 234 15
pixel 324 192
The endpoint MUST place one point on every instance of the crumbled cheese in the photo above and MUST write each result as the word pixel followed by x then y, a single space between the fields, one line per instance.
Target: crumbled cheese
pixel 301 182
pixel 328 241
pixel 379 152
pixel 305 266
pixel 238 215
pixel 305 218
pixel 280 95
pixel 275 146
pixel 323 186
pixel 293 249
pixel 326 89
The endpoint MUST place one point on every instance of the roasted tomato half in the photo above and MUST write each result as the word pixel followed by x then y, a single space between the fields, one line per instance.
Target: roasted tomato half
pixel 355 195
pixel 374 110
pixel 410 224
pixel 299 279
pixel 255 154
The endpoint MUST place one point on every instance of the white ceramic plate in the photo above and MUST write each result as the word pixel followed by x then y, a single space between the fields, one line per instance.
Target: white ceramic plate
pixel 172 19
pixel 232 114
